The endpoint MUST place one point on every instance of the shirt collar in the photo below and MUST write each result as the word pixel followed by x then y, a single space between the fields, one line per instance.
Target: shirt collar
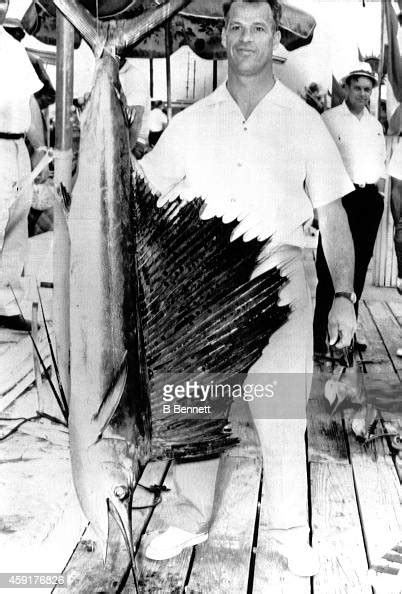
pixel 347 111
pixel 222 95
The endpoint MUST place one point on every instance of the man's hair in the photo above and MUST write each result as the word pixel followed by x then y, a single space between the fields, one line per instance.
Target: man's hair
pixel 275 6
pixel 355 77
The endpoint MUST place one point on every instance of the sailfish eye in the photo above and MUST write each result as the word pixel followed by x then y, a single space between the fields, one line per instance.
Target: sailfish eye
pixel 121 492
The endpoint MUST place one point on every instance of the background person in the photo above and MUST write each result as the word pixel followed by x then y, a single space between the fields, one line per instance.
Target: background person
pixel 138 99
pixel 20 116
pixel 157 123
pixel 360 140
pixel 316 97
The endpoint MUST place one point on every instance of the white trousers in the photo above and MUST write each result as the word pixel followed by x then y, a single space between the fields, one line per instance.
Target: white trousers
pixel 290 352
pixel 14 208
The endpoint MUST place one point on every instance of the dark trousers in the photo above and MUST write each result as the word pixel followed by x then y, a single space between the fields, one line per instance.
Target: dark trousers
pixel 153 138
pixel 364 208
pixel 396 209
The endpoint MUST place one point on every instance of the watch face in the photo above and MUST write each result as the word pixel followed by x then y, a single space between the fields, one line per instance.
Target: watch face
pixel 353 298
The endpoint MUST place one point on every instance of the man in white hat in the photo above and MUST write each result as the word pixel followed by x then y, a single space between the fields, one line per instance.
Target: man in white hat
pixel 360 140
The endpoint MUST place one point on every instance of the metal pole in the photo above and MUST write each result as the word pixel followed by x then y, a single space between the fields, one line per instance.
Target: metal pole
pixel 63 174
pixel 381 64
pixel 168 51
pixel 214 74
pixel 151 78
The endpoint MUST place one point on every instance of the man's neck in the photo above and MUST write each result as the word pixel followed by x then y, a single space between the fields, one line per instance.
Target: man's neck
pixel 248 91
pixel 356 112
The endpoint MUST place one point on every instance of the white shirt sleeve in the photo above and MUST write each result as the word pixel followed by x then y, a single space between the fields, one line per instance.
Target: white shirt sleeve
pixel 164 165
pixel 326 176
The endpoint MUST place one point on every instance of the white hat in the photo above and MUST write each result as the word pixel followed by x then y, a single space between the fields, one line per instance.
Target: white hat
pixel 363 69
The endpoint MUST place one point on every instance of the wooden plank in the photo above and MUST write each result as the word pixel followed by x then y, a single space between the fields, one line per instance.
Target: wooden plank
pixel 396 308
pixel 169 575
pixel 326 438
pixel 40 516
pixel 376 351
pixel 16 367
pixel 222 563
pixel 337 535
pixel 85 571
pixel 379 494
pixel 270 570
pixel 390 331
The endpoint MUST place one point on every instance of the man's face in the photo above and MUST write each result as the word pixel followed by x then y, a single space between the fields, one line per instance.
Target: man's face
pixel 3 10
pixel 249 37
pixel 358 92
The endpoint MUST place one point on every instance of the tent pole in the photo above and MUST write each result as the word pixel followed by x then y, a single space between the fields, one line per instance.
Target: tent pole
pixel 381 64
pixel 168 51
pixel 63 171
pixel 151 78
pixel 214 74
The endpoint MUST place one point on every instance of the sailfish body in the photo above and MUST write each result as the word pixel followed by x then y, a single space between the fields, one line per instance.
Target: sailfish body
pixel 157 295
pixel 109 418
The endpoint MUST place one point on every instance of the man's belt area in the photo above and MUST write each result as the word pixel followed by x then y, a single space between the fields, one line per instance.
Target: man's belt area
pixel 11 136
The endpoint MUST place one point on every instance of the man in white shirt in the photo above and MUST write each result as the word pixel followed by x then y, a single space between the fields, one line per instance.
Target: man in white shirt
pixel 256 153
pixel 138 98
pixel 19 117
pixel 360 140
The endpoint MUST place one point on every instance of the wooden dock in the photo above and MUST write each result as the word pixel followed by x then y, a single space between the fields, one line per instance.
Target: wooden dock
pixel 355 504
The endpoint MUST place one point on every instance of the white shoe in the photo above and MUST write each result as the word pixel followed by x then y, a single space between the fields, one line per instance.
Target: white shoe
pixel 399 352
pixel 302 559
pixel 171 543
pixel 399 285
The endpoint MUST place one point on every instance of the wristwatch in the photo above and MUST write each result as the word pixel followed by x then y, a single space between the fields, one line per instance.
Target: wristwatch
pixel 350 296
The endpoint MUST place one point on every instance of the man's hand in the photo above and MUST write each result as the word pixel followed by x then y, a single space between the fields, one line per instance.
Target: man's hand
pixel 139 150
pixel 341 323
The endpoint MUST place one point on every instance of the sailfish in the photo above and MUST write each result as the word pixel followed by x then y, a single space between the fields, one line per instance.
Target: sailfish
pixel 156 292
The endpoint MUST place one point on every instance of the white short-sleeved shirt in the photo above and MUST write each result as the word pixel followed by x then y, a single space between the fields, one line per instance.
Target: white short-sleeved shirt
pixel 18 83
pixel 360 141
pixel 137 93
pixel 267 171
pixel 157 120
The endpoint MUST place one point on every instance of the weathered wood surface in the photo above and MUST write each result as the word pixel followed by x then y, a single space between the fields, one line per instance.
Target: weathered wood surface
pixel 270 570
pixel 222 563
pixel 390 331
pixel 337 534
pixel 85 571
pixel 326 437
pixel 375 470
pixel 355 502
pixel 396 308
pixel 40 517
pixel 17 363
